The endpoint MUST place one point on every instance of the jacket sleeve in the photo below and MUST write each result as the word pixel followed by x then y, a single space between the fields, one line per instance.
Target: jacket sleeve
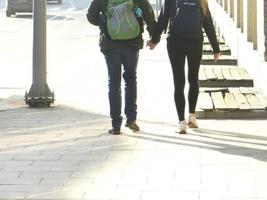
pixel 93 13
pixel 148 15
pixel 210 31
pixel 163 21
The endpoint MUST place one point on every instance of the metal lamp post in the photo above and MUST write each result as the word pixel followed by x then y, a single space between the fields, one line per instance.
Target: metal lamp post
pixel 39 94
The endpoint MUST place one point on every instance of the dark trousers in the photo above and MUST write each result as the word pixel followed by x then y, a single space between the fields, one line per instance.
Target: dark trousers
pixel 115 59
pixel 178 50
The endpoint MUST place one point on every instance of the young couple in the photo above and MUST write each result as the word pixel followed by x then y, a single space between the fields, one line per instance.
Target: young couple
pixel 126 54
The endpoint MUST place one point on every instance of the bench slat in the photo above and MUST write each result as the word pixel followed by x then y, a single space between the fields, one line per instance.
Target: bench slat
pixel 230 101
pixel 218 101
pixel 235 74
pixel 254 103
pixel 204 101
pixel 241 101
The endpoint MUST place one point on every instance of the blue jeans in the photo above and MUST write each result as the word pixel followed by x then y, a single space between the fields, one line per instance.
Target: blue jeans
pixel 115 59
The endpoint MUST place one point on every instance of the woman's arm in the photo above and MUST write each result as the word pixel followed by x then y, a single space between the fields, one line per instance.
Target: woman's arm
pixel 163 20
pixel 210 31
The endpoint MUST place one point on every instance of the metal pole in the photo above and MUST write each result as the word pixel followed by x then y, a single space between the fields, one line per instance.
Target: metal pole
pixel 39 94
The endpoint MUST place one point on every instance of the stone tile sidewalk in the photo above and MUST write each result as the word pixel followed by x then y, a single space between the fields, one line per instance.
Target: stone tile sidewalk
pixel 66 153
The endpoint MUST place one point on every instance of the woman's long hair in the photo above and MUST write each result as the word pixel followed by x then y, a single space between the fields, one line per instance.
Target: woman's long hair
pixel 203 6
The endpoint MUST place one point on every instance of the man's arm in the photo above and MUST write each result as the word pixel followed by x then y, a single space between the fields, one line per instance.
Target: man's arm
pixel 148 15
pixel 93 13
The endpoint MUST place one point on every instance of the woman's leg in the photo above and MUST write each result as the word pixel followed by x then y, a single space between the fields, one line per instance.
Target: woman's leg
pixel 194 58
pixel 177 59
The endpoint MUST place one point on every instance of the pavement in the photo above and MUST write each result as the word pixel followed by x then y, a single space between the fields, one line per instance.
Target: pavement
pixel 65 153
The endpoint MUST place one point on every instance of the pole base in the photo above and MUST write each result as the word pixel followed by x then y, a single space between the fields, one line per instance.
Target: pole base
pixel 39 102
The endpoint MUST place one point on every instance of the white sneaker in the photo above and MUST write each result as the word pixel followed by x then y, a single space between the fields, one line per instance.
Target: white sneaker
pixel 192 120
pixel 182 127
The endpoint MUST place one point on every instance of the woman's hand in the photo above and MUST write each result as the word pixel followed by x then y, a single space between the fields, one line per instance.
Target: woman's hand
pixel 216 56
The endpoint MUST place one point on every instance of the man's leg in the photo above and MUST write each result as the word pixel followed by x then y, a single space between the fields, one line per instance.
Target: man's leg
pixel 130 61
pixel 113 60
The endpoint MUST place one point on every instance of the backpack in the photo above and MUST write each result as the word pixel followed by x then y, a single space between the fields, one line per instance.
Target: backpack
pixel 185 20
pixel 121 20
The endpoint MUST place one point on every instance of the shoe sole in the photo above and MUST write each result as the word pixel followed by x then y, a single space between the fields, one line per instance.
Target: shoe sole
pixel 191 125
pixel 114 133
pixel 183 132
pixel 133 129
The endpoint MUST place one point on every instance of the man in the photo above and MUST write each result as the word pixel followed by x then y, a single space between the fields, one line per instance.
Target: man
pixel 120 53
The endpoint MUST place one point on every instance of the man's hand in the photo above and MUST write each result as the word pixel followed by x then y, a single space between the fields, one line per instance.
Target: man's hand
pixel 151 45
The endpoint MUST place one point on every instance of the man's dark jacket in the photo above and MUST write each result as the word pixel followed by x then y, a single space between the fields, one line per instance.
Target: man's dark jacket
pixel 98 7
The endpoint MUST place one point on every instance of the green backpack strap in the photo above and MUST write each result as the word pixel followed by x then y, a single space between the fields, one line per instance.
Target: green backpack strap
pixel 138 14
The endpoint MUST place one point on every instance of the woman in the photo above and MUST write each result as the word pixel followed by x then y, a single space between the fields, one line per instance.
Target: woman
pixel 181 46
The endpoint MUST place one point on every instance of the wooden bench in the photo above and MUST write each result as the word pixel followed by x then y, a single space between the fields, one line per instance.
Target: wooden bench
pixel 226 90
pixel 231 103
pixel 224 76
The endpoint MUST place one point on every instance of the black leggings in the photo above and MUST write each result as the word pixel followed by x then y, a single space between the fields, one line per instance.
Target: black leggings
pixel 178 50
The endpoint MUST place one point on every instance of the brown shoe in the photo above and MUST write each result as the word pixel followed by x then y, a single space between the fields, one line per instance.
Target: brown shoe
pixel 133 126
pixel 114 131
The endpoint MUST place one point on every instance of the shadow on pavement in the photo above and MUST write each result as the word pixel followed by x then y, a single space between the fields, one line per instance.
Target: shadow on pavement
pixel 234 143
pixel 65 153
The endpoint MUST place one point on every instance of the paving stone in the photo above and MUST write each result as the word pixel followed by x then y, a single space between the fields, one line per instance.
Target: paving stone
pixel 58 195
pixel 13 195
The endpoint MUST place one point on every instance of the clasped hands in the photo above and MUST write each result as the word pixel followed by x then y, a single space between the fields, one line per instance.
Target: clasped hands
pixel 151 45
